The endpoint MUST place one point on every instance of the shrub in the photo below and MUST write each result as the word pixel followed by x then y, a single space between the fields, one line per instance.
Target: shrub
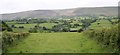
pixel 108 37
pixel 66 29
pixel 9 38
pixel 80 30
pixel 33 30
pixel 21 26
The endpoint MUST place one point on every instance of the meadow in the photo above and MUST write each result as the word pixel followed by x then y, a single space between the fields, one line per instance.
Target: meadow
pixel 48 25
pixel 100 24
pixel 64 42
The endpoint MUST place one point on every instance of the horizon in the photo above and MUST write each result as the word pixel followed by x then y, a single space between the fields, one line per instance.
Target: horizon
pixel 57 9
pixel 13 6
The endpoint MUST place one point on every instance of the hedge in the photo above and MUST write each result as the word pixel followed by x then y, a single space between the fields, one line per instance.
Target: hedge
pixel 8 38
pixel 108 37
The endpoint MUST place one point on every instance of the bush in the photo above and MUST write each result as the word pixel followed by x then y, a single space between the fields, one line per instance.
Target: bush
pixel 9 38
pixel 33 30
pixel 66 29
pixel 80 30
pixel 21 26
pixel 108 37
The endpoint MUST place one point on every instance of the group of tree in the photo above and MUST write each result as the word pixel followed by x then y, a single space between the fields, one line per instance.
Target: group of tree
pixel 13 26
pixel 4 26
pixel 87 22
pixel 38 28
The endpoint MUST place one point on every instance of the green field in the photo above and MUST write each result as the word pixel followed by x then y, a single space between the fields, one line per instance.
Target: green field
pixel 28 26
pixel 76 28
pixel 63 42
pixel 48 25
pixel 10 23
pixel 102 23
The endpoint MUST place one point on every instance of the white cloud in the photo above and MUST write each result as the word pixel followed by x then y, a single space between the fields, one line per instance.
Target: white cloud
pixel 10 6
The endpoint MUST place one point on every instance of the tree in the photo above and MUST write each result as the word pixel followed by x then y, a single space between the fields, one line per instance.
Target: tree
pixel 5 27
pixel 13 26
pixel 21 26
pixel 33 30
pixel 80 30
pixel 66 29
pixel 44 28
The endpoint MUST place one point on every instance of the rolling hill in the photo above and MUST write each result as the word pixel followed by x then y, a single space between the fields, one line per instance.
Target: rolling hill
pixel 87 11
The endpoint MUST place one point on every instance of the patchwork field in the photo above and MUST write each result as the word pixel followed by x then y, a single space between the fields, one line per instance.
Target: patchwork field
pixel 63 42
pixel 88 35
pixel 48 25
pixel 28 26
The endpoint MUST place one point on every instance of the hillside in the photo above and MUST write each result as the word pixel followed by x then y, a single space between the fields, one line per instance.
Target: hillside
pixel 93 11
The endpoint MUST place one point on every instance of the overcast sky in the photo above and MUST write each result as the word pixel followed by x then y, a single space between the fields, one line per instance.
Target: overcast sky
pixel 12 6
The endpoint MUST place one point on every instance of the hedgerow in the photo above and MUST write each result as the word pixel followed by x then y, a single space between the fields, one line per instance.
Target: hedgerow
pixel 8 38
pixel 108 37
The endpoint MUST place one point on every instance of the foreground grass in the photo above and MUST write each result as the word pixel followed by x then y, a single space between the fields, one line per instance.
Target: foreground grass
pixel 57 43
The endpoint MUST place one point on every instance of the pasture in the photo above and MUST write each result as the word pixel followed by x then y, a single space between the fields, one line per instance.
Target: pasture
pixel 25 29
pixel 28 26
pixel 48 25
pixel 63 42
pixel 100 24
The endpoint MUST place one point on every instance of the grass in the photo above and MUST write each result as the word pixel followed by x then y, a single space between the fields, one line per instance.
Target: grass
pixel 48 25
pixel 21 30
pixel 10 23
pixel 25 29
pixel 25 25
pixel 76 22
pixel 28 26
pixel 63 42
pixel 114 20
pixel 103 23
pixel 76 28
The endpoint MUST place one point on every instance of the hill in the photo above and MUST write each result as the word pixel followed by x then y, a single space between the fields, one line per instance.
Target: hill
pixel 88 11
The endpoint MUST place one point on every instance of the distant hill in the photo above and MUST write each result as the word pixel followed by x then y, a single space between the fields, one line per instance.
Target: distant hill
pixel 88 11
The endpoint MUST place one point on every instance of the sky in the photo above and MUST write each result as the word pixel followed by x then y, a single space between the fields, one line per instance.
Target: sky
pixel 12 6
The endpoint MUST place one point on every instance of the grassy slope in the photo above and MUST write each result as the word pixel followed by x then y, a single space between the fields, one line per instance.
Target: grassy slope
pixel 57 43
pixel 103 23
